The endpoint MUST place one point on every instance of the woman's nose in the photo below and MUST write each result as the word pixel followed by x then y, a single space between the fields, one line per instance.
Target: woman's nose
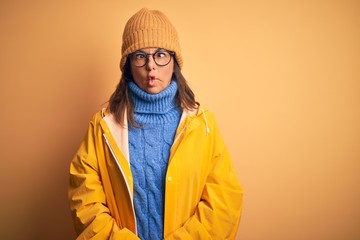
pixel 151 63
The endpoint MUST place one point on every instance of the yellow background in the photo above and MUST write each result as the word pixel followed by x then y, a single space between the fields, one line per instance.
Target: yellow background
pixel 282 77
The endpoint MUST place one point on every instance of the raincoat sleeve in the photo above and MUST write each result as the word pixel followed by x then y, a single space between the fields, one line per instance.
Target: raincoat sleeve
pixel 218 212
pixel 92 218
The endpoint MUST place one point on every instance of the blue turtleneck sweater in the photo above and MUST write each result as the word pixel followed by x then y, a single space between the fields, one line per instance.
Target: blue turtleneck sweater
pixel 149 147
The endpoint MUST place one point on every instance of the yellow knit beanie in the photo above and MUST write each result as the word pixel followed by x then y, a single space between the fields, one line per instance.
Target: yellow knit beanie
pixel 149 28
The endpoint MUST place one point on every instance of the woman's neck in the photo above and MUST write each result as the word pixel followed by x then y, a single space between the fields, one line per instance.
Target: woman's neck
pixel 154 108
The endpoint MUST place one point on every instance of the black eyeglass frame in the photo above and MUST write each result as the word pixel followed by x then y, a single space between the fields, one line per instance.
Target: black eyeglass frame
pixel 172 54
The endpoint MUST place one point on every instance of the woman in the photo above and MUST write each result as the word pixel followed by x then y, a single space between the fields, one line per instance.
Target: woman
pixel 153 164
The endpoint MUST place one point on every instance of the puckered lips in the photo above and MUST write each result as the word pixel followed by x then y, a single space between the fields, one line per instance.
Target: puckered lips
pixel 151 80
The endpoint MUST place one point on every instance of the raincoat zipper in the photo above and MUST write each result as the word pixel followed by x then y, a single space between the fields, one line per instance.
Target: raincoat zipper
pixel 127 185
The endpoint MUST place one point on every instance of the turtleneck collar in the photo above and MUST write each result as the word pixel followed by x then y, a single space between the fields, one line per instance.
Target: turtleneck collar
pixel 154 108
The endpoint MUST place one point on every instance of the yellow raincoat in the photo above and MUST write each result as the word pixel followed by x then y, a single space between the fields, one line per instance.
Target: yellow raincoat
pixel 203 198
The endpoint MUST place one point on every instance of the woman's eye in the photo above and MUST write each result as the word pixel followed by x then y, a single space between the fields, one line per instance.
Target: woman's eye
pixel 140 56
pixel 160 54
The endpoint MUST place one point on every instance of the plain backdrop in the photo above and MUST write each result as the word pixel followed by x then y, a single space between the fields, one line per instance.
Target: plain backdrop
pixel 282 78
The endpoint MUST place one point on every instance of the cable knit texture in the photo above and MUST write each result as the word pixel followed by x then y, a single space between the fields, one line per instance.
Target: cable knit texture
pixel 149 147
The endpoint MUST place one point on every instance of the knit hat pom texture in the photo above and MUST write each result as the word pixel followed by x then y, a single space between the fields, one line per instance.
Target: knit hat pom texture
pixel 149 28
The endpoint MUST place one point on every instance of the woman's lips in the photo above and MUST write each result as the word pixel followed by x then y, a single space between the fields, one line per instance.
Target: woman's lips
pixel 151 80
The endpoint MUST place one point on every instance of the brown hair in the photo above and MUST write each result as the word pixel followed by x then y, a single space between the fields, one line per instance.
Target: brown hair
pixel 120 102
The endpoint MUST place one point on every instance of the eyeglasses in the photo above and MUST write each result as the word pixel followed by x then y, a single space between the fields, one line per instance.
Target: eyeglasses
pixel 161 58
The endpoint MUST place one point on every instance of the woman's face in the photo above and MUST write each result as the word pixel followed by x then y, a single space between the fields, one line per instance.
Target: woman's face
pixel 151 77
